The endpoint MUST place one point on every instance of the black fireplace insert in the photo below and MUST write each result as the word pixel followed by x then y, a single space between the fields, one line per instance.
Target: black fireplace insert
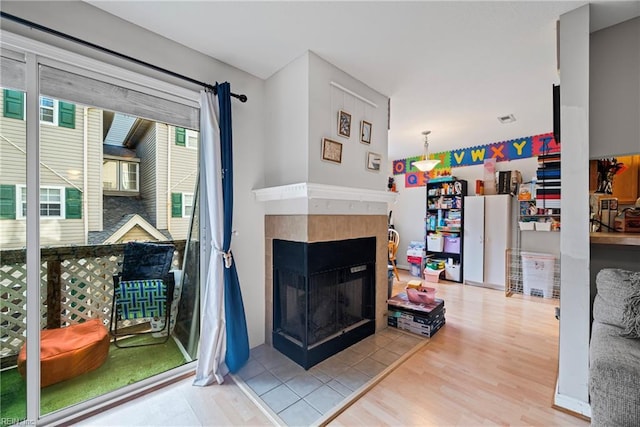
pixel 323 297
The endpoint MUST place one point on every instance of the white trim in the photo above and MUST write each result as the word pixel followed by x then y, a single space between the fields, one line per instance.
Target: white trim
pixel 54 109
pixel 70 61
pixel 20 188
pixel 133 221
pixel 352 93
pixel 33 261
pixel 571 403
pixel 309 191
pixel 190 133
pixel 184 215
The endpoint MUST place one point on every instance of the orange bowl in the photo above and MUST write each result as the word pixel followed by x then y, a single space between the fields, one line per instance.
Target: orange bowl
pixel 422 295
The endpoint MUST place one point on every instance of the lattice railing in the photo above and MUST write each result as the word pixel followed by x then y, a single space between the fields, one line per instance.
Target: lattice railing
pixel 76 284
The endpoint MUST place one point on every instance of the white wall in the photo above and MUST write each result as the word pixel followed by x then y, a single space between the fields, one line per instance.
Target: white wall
pixel 286 123
pixel 409 208
pixel 573 369
pixel 614 67
pixel 324 102
pixel 89 23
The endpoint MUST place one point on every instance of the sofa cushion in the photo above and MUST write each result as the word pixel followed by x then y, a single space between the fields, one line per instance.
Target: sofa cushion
pixel 614 287
pixel 614 377
pixel 631 314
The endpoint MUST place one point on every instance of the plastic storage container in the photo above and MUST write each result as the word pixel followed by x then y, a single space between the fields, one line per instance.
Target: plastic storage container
pixel 414 269
pixel 452 272
pixel 537 273
pixel 435 242
pixel 452 244
pixel 422 295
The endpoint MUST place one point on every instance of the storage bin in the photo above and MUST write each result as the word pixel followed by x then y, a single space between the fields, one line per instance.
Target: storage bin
pixel 452 244
pixel 422 295
pixel 527 226
pixel 452 272
pixel 414 260
pixel 414 269
pixel 435 242
pixel 543 226
pixel 537 273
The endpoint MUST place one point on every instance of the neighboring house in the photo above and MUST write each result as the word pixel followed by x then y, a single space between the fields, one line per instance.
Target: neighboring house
pixel 139 187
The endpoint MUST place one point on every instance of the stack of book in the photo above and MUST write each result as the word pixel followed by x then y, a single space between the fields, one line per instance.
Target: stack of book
pixel 423 319
pixel 548 191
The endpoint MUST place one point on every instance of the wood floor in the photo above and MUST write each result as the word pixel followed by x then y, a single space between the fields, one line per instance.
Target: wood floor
pixel 493 363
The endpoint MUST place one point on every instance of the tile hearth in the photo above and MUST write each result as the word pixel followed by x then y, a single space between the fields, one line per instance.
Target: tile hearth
pixel 301 398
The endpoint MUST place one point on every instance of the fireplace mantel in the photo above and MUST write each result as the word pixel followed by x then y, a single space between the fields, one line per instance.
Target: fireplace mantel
pixel 312 198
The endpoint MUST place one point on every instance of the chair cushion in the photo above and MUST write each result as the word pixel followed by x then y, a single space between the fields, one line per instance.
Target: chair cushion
pixel 145 260
pixel 68 352
pixel 137 299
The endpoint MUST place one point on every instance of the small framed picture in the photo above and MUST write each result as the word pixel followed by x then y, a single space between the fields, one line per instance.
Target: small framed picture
pixel 365 132
pixel 373 161
pixel 331 150
pixel 344 124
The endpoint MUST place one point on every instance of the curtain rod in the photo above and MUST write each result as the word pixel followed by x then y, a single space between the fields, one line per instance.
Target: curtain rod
pixel 242 98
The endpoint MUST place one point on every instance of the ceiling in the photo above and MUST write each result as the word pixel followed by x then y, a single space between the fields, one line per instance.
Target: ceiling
pixel 449 67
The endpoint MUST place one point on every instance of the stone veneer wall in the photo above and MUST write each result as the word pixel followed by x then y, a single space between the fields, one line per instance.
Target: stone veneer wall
pixel 326 228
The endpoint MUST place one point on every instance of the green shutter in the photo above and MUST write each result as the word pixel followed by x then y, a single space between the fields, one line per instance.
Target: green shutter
pixel 14 104
pixel 66 115
pixel 176 205
pixel 72 203
pixel 181 137
pixel 7 202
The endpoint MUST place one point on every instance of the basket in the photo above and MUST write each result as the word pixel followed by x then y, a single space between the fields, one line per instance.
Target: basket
pixel 421 295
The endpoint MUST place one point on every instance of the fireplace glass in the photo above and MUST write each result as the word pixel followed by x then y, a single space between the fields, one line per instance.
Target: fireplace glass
pixel 324 297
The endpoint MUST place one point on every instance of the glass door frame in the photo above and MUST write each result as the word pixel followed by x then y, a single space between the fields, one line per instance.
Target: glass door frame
pixel 35 54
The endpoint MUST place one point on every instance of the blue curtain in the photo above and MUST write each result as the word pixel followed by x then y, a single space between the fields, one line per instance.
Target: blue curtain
pixel 237 338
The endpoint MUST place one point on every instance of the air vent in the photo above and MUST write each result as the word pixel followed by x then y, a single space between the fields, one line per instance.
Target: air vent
pixel 507 119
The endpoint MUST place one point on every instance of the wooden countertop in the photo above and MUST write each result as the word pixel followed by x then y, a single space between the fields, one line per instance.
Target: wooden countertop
pixel 629 239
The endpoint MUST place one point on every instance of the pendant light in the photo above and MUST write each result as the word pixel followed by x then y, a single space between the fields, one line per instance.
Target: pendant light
pixel 426 164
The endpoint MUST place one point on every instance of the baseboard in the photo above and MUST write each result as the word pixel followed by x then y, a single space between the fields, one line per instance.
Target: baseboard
pixel 571 405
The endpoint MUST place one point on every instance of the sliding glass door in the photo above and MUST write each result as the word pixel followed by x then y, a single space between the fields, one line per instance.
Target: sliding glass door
pixel 88 163
pixel 13 235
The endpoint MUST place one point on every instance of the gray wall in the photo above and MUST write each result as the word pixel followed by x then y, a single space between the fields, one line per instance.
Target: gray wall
pixel 614 97
pixel 89 23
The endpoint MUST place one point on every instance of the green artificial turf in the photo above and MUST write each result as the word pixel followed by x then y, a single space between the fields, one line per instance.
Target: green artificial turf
pixel 122 367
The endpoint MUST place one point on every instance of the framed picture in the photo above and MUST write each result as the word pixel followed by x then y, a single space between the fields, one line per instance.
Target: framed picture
pixel 344 124
pixel 365 132
pixel 331 150
pixel 373 161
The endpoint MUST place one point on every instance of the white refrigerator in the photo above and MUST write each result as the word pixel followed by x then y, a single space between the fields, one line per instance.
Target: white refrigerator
pixel 487 236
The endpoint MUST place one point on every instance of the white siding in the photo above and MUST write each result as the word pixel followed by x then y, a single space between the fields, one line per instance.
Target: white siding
pixel 12 172
pixel 61 157
pixel 146 151
pixel 183 174
pixel 94 169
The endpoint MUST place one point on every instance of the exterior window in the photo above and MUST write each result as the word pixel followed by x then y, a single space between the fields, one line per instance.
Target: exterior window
pixel 187 205
pixel 51 202
pixel 52 111
pixel 129 176
pixel 48 110
pixel 120 176
pixel 110 175
pixel 192 139
pixel 186 138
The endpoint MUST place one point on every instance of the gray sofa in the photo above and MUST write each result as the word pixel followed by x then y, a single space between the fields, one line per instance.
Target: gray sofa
pixel 614 350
